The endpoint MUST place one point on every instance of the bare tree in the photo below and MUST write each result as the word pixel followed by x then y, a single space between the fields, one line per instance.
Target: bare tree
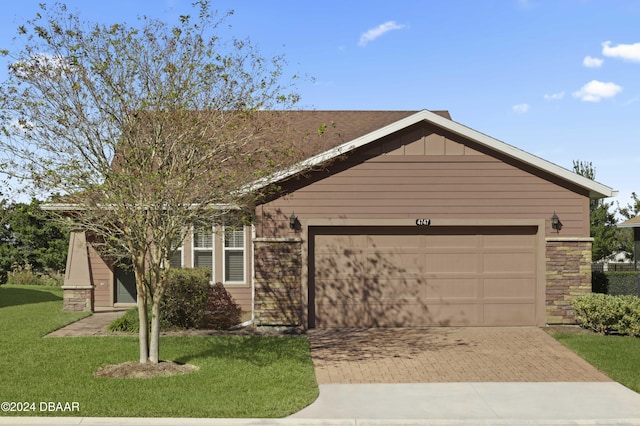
pixel 143 130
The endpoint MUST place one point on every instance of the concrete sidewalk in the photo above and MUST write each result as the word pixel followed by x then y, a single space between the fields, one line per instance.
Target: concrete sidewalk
pixel 93 325
pixel 480 403
pixel 583 403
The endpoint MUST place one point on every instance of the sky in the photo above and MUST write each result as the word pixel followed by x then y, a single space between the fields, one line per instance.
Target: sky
pixel 556 78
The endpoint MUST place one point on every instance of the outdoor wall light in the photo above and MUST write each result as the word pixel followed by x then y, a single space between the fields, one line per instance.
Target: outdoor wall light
pixel 555 222
pixel 293 219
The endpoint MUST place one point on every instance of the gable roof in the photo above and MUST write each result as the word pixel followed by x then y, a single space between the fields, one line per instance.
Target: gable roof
pixel 365 127
pixel 631 223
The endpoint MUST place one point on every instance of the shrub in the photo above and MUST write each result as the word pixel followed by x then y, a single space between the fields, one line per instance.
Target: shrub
pixel 607 314
pixel 189 302
pixel 26 277
pixel 185 299
pixel 599 282
pixel 622 283
pixel 128 322
pixel 222 311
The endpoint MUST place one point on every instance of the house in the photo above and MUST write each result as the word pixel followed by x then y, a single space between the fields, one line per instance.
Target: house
pixel 634 223
pixel 400 218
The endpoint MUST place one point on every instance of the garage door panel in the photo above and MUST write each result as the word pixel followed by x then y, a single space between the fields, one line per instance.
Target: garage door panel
pixel 450 241
pixel 509 287
pixel 455 314
pixel 452 287
pixel 512 241
pixel 375 315
pixel 424 276
pixel 368 290
pixel 340 241
pixel 509 262
pixel 393 241
pixel 447 262
pixel 509 314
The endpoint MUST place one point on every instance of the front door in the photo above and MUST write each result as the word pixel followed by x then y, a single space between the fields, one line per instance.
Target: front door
pixel 125 285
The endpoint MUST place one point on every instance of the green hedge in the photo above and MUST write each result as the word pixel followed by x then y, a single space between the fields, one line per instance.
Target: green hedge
pixel 185 299
pixel 621 283
pixel 608 314
pixel 615 283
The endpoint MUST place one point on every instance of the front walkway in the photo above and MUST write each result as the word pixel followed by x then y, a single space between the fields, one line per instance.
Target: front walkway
pixel 445 354
pixel 93 325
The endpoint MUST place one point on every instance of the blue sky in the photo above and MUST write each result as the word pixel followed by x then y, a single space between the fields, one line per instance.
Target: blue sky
pixel 556 78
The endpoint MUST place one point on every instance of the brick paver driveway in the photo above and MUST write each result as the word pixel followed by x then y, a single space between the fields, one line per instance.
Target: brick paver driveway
pixel 409 355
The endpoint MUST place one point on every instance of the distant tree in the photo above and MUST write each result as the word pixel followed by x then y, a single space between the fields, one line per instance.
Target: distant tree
pixel 625 235
pixel 145 130
pixel 30 239
pixel 632 209
pixel 602 221
pixel 42 243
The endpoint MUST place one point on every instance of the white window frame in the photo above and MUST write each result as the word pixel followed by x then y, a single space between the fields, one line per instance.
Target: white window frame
pixel 225 249
pixel 212 249
pixel 181 252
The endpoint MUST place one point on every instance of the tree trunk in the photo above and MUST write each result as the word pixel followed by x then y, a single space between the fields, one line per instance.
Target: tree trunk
pixel 143 334
pixel 154 348
pixel 143 317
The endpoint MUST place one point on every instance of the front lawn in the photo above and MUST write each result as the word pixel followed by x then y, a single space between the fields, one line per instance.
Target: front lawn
pixel 238 376
pixel 616 356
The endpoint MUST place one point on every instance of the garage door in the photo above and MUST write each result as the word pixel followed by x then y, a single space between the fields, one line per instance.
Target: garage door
pixel 422 276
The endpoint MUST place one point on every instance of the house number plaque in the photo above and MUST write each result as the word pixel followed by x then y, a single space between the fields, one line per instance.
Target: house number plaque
pixel 423 222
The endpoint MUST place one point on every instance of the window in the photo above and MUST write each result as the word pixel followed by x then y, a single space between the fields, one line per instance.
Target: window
pixel 176 258
pixel 203 248
pixel 234 255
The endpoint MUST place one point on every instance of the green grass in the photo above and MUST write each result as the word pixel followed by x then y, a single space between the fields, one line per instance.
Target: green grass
pixel 616 356
pixel 238 376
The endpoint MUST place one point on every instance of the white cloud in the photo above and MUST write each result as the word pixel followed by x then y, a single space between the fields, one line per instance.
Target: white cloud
pixel 596 90
pixel 628 52
pixel 42 64
pixel 521 108
pixel 376 32
pixel 591 62
pixel 554 96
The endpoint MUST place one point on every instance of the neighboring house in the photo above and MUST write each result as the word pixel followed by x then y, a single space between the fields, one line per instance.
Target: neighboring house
pixel 402 218
pixel 634 223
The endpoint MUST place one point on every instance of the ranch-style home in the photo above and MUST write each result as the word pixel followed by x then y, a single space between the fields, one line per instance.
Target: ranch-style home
pixel 401 219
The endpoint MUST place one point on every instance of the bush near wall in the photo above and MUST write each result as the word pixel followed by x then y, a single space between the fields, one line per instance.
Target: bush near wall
pixel 185 299
pixel 189 302
pixel 607 314
pixel 222 311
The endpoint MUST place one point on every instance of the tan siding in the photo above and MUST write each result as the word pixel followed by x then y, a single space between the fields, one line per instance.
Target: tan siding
pixel 102 280
pixel 439 184
pixel 242 296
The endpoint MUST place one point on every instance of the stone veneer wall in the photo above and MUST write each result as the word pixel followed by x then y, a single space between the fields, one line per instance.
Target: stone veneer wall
pixel 77 299
pixel 278 272
pixel 568 275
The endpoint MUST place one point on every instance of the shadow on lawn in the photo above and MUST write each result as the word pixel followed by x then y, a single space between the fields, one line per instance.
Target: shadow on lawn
pixel 24 296
pixel 257 350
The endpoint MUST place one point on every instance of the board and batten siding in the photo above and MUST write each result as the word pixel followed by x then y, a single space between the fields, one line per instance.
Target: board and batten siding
pixel 425 172
pixel 102 279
